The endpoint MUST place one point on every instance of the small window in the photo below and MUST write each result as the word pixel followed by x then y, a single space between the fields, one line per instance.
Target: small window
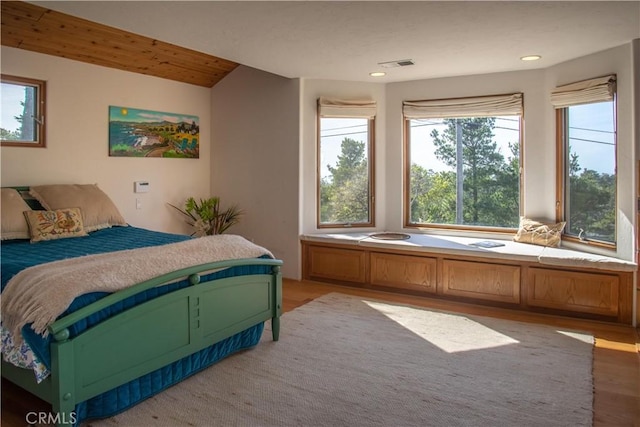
pixel 23 107
pixel 345 167
pixel 462 163
pixel 587 164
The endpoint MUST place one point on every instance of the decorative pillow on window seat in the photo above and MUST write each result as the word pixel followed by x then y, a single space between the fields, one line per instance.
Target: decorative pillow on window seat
pixel 539 233
pixel 58 224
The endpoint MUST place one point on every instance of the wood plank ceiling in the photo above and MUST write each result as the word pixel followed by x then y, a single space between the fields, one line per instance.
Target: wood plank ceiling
pixel 30 27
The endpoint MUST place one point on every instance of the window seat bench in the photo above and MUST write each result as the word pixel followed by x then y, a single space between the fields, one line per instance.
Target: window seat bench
pixel 515 275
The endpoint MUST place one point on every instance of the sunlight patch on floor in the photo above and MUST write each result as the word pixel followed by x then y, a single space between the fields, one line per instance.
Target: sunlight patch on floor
pixel 584 337
pixel 436 328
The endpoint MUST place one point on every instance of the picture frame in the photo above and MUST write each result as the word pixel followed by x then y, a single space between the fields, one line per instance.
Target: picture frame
pixel 135 132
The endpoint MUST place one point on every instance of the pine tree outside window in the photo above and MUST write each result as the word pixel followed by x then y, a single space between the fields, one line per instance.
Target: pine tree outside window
pixel 345 163
pixel 462 163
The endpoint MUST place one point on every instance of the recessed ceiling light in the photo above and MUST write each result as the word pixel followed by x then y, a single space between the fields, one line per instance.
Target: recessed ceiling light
pixel 378 74
pixel 531 58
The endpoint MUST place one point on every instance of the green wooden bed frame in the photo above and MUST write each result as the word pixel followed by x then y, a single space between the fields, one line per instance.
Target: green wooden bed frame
pixel 153 334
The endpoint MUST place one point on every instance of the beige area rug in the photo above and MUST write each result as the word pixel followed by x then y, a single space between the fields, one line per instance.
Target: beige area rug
pixel 348 361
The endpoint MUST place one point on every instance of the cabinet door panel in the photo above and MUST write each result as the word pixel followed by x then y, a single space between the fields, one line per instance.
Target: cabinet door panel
pixel 403 271
pixel 339 264
pixel 567 290
pixel 494 282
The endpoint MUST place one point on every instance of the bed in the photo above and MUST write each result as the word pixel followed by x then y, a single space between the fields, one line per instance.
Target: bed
pixel 111 350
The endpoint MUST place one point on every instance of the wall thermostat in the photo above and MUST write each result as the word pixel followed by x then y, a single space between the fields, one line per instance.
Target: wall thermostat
pixel 141 186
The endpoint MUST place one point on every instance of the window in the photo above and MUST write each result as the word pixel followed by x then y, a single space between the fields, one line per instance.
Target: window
pixel 462 162
pixel 345 163
pixel 586 127
pixel 23 107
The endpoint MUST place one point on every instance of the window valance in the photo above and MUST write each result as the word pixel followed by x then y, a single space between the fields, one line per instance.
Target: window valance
pixel 494 105
pixel 332 107
pixel 584 92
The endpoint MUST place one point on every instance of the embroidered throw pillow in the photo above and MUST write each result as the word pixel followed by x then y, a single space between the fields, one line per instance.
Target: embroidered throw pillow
pixel 58 224
pixel 539 233
pixel 12 206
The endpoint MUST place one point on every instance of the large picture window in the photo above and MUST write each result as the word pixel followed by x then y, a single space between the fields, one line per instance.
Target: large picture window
pixel 587 160
pixel 462 162
pixel 345 163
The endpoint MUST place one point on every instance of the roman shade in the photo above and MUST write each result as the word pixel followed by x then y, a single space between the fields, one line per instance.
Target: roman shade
pixel 600 89
pixel 360 108
pixel 481 106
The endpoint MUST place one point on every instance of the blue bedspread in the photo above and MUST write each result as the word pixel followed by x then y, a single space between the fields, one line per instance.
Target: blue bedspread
pixel 20 254
pixel 17 255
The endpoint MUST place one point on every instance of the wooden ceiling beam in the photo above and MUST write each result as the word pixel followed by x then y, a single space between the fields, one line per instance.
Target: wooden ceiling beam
pixel 30 27
pixel 22 10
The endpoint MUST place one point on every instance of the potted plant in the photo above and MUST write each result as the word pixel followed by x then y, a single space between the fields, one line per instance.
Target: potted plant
pixel 207 217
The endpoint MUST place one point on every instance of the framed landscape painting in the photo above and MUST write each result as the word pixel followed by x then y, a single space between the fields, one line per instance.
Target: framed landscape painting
pixel 146 133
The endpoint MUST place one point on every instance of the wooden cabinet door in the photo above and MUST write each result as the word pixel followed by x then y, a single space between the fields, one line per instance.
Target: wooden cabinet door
pixel 575 291
pixel 346 265
pixel 479 280
pixel 403 272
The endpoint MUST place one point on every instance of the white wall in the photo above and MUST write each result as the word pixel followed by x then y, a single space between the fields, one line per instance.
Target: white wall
pixel 78 100
pixel 254 158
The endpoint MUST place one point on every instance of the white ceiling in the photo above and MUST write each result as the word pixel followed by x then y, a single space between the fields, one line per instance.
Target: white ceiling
pixel 346 40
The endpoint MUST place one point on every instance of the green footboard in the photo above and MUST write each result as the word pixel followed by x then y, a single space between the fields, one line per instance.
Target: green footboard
pixel 153 334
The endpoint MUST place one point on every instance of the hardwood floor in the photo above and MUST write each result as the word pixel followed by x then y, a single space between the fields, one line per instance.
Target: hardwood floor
pixel 616 367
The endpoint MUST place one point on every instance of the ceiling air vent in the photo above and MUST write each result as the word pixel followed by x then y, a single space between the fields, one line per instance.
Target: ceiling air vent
pixel 400 63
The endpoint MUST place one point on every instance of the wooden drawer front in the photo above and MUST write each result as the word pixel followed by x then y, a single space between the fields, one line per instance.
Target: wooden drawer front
pixel 403 271
pixel 340 264
pixel 567 290
pixel 495 282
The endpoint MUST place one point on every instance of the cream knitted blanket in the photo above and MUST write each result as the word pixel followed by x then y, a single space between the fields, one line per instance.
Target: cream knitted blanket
pixel 40 294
